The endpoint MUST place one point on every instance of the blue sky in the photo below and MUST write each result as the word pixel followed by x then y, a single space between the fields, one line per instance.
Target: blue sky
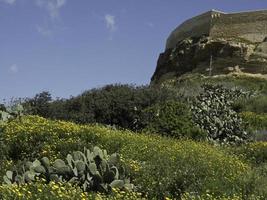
pixel 68 46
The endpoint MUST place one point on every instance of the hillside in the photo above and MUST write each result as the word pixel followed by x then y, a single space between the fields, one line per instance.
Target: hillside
pixel 159 167
pixel 198 131
pixel 211 57
pixel 190 83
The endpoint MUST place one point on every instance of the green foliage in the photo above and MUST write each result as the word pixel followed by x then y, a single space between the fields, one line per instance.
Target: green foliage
pixel 159 166
pixel 256 122
pixel 190 84
pixel 8 113
pixel 257 104
pixel 255 153
pixel 59 191
pixel 117 105
pixel 11 112
pixel 91 170
pixel 172 119
pixel 39 104
pixel 254 183
pixel 212 112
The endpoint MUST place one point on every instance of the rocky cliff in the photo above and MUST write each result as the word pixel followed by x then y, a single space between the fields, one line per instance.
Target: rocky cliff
pixel 209 56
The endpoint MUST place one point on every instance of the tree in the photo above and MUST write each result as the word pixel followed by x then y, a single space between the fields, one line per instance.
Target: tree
pixel 39 104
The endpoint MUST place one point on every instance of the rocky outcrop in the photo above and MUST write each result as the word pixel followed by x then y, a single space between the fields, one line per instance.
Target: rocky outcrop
pixel 210 56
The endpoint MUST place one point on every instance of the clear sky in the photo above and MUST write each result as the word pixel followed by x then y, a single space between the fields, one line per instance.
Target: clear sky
pixel 68 46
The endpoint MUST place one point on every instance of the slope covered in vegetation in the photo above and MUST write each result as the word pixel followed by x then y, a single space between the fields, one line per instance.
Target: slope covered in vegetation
pixel 159 167
pixel 192 138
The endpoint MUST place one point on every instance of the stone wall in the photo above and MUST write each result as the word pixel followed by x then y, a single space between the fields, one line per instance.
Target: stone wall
pixel 250 26
pixel 194 27
pixel 236 41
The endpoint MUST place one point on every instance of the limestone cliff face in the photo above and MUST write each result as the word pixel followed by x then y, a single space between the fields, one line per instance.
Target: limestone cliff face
pixel 211 56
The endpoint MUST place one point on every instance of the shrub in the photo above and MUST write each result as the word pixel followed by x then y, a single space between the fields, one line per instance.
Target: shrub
pixel 212 112
pixel 257 125
pixel 160 167
pixel 257 104
pixel 172 119
pixel 253 186
pixel 209 196
pixel 39 104
pixel 254 183
pixel 255 121
pixel 117 105
pixel 190 84
pixel 59 191
pixel 255 152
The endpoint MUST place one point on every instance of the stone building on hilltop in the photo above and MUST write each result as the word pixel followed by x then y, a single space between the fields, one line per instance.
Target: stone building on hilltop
pixel 215 43
pixel 251 26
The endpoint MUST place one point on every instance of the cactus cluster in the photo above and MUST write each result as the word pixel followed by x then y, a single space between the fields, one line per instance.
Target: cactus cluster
pixel 11 112
pixel 212 112
pixel 91 170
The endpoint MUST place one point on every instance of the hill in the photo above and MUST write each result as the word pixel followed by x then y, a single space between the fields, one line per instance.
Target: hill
pixel 215 43
pixel 159 167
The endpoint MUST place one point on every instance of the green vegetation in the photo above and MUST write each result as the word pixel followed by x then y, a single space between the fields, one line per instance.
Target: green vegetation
pixel 258 104
pixel 115 105
pixel 59 191
pixel 92 171
pixel 173 119
pixel 255 121
pixel 11 112
pixel 159 167
pixel 190 84
pixel 160 140
pixel 212 112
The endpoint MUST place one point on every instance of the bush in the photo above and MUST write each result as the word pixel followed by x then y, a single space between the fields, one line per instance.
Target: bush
pixel 254 183
pixel 255 153
pixel 59 191
pixel 255 121
pixel 117 104
pixel 160 167
pixel 257 125
pixel 210 196
pixel 39 104
pixel 257 104
pixel 213 113
pixel 172 119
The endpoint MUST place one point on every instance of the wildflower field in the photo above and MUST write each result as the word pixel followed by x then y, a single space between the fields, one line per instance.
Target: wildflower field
pixel 158 167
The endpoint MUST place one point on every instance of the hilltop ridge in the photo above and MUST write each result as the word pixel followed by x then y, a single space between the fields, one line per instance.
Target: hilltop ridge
pixel 216 43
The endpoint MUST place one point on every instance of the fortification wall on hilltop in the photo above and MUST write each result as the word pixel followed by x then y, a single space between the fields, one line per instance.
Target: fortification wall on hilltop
pixel 251 26
pixel 194 27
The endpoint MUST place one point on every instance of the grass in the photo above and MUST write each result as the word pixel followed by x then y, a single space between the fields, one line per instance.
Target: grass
pixel 190 84
pixel 160 167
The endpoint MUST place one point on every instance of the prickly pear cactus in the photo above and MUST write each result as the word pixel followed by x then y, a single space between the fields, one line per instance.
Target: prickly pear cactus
pixel 91 170
pixel 7 113
pixel 213 113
